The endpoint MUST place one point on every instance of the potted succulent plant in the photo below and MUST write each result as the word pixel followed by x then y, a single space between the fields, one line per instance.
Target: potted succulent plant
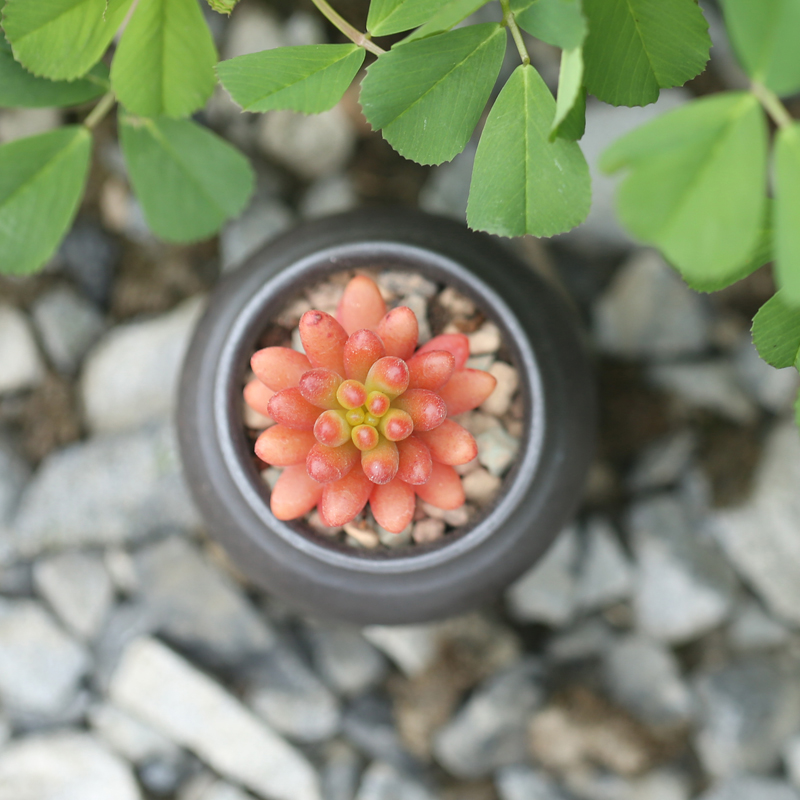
pixel 366 427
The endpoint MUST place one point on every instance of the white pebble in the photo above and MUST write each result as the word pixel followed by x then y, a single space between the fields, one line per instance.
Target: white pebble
pixel 485 340
pixel 496 449
pixel 499 401
pixel 455 302
pixel 20 363
pixel 366 537
pixel 481 486
pixel 428 530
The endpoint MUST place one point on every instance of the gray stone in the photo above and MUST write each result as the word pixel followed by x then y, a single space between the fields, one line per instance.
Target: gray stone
pixel 163 776
pixel 480 486
pixel 68 325
pixel 344 659
pixel 21 365
pixel 499 401
pixel 791 758
pixel 547 593
pixel 747 709
pixel 104 491
pixel 497 449
pixel 649 312
pixel 14 474
pixel 5 732
pixel 760 537
pixel 589 639
pixel 263 220
pixel 491 730
pixel 368 723
pixel 207 787
pixel 89 256
pixel 412 647
pixel 774 389
pixel 78 588
pixel 340 771
pixel 683 587
pixel 40 666
pixel 401 283
pixel 198 607
pixel 524 783
pixel 709 385
pixel 131 377
pixel 447 189
pixel 18 123
pixel 605 575
pixel 661 785
pixel 330 195
pixel 127 622
pixel 644 677
pixel 252 29
pixel 16 580
pixel 419 305
pixel 748 787
pixel 162 689
pixel 311 146
pixel 663 463
pixel 128 736
pixel 385 782
pixel 290 697
pixel 64 766
pixel 753 629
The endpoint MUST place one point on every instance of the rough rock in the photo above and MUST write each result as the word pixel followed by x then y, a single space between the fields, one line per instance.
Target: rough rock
pixel 587 640
pixel 14 474
pixel 524 783
pixel 748 787
pixel 402 283
pixel 644 677
pixel 21 365
pixel 384 782
pixel 252 29
pixel 648 311
pixel 491 730
pixel 129 486
pixel 760 537
pixel 753 629
pixel 340 771
pixel 499 401
pixel 663 463
pixel 412 647
pixel 89 256
pixel 40 666
pixel 329 196
pixel 497 449
pixel 746 711
pixel 683 587
pixel 605 574
pixel 344 659
pixel 311 146
pixel 198 607
pixel 68 325
pixel 480 486
pixel 263 220
pixel 368 723
pixel 168 693
pixel 447 189
pixel 78 588
pixel 131 377
pixel 290 697
pixel 128 736
pixel 791 758
pixel 547 592
pixel 207 787
pixel 774 389
pixel 64 766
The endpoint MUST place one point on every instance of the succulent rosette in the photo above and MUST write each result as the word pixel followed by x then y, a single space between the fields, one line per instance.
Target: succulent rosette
pixel 363 416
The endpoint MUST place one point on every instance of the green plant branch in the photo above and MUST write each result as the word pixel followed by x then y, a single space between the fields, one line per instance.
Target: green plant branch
pixel 772 105
pixel 100 110
pixel 354 35
pixel 516 34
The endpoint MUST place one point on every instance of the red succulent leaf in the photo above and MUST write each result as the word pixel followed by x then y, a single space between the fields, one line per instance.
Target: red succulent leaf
pixel 323 340
pixel 388 375
pixel 345 499
pixel 430 370
pixel 295 493
pixel 283 447
pixel 327 464
pixel 362 349
pixel 466 390
pixel 279 367
pixel 361 306
pixel 455 343
pixel 450 443
pixel 399 331
pixel 331 428
pixel 443 489
pixel 290 408
pixel 319 387
pixel 415 461
pixel 257 396
pixel 393 505
pixel 381 463
pixel 426 408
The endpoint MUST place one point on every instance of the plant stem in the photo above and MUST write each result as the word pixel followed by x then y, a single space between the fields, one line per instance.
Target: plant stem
pixel 516 34
pixel 100 110
pixel 772 105
pixel 355 36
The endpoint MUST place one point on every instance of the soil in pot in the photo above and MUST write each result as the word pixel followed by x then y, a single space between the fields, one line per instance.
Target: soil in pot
pixel 497 424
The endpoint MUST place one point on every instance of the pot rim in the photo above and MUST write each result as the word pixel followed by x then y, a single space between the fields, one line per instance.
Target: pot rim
pixel 275 292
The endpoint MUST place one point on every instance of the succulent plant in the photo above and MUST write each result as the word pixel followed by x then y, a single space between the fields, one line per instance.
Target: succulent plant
pixel 363 415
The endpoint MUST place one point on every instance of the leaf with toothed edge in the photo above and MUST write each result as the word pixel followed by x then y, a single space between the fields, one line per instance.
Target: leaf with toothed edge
pixel 394 16
pixel 776 333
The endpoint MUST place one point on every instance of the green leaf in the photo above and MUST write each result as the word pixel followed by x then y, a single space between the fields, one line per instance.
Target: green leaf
pixel 764 35
pixel 797 410
pixel 223 6
pixel 165 61
pixel 19 88
pixel 570 88
pixel 427 96
pixel 776 332
pixel 393 16
pixel 696 183
pixel 62 39
pixel 188 180
pixel 310 78
pixel 557 22
pixel 521 182
pixel 636 47
pixel 574 124
pixel 41 182
pixel 449 15
pixel 787 212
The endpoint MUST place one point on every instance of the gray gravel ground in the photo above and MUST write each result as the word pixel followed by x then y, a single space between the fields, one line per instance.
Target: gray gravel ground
pixel 653 654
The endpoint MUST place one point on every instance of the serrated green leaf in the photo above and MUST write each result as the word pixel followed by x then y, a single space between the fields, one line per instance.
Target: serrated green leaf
pixel 522 182
pixel 557 22
pixel 311 78
pixel 41 183
pixel 764 35
pixel 223 6
pixel 776 333
pixel 449 15
pixel 636 47
pixel 574 124
pixel 696 183
pixel 394 16
pixel 570 87
pixel 19 88
pixel 188 180
pixel 427 96
pixel 164 64
pixel 62 39
pixel 787 212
